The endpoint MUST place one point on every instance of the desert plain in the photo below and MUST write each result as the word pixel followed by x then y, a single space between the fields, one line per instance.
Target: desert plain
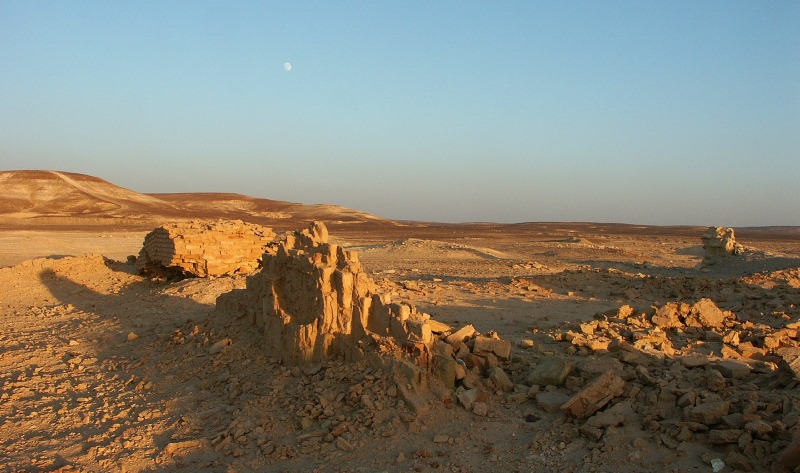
pixel 103 368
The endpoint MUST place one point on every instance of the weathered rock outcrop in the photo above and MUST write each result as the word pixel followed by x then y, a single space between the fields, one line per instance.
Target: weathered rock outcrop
pixel 204 248
pixel 719 242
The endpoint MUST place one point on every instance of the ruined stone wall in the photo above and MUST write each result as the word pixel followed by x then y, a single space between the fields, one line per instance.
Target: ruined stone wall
pixel 719 242
pixel 313 301
pixel 205 248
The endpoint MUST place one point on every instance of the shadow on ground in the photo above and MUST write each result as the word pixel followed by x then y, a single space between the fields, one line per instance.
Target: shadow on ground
pixel 156 380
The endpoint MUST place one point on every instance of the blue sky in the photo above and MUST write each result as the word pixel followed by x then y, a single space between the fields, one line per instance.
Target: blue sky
pixel 637 112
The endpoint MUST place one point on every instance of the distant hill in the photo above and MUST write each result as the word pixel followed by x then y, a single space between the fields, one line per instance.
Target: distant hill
pixel 224 205
pixel 53 198
pixel 38 194
pixel 46 199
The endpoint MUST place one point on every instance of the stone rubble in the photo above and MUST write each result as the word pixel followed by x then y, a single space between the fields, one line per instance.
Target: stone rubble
pixel 684 372
pixel 688 372
pixel 313 302
pixel 204 249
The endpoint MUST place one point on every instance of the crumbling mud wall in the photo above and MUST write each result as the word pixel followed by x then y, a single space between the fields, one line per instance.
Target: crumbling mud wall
pixel 313 301
pixel 204 249
pixel 719 242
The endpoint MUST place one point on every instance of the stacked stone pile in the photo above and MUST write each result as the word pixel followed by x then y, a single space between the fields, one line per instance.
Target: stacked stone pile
pixel 205 249
pixel 719 242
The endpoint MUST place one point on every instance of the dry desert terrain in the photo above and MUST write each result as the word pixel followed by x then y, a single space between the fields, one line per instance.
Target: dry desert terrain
pixel 106 369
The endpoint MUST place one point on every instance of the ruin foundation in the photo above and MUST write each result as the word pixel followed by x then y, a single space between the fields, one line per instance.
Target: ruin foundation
pixel 719 242
pixel 313 301
pixel 204 249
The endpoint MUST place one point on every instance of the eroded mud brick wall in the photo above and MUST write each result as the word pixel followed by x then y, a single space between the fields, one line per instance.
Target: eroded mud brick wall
pixel 313 301
pixel 205 248
pixel 719 242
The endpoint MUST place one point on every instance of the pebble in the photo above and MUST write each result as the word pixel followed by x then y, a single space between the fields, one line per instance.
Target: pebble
pixel 343 445
pixel 219 346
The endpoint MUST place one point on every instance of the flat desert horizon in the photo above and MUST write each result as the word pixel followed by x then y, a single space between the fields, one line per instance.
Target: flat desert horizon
pixel 678 361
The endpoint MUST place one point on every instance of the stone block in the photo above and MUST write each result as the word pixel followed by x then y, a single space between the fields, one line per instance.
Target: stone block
pixel 551 401
pixel 595 395
pixel 419 331
pixel 553 370
pixel 500 379
pixel 460 335
pixel 444 368
pixel 468 397
pixel 732 369
pixel 723 436
pixel 500 348
pixel 791 360
pixel 709 413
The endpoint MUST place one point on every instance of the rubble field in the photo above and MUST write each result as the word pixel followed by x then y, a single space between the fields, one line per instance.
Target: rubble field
pixel 440 351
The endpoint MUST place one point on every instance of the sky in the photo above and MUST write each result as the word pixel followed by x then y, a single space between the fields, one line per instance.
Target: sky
pixel 644 112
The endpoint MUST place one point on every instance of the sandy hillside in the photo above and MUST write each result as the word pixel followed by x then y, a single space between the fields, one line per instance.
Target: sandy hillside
pixel 67 201
pixel 31 194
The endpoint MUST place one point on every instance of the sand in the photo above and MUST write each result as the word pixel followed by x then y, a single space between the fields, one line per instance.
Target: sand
pixel 104 370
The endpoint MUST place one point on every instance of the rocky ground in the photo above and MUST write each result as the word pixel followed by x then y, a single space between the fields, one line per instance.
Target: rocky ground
pixel 105 370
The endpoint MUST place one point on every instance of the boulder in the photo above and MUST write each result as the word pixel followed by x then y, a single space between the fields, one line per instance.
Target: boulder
pixel 732 369
pixel 669 315
pixel 619 414
pixel 500 379
pixel 551 401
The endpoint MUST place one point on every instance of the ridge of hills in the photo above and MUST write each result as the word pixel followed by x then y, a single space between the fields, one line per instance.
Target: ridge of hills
pixel 39 198
pixel 44 199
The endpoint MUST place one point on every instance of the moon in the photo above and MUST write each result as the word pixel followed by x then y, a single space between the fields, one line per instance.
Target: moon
pixel 287 66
